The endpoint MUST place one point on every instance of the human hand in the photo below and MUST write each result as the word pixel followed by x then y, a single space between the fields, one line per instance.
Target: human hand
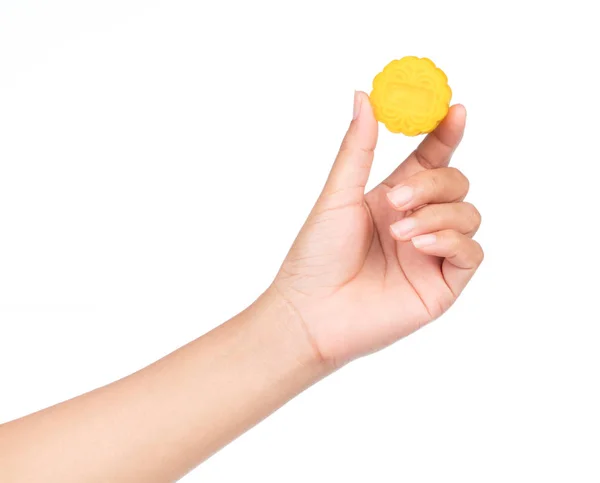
pixel 369 269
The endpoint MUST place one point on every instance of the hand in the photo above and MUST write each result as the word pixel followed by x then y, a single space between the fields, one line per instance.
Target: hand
pixel 369 269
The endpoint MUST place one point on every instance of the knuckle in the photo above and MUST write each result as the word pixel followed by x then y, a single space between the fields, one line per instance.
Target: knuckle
pixel 478 255
pixel 452 240
pixel 460 180
pixel 474 215
pixel 455 172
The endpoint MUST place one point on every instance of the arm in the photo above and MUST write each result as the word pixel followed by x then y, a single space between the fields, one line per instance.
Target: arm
pixel 160 422
pixel 365 270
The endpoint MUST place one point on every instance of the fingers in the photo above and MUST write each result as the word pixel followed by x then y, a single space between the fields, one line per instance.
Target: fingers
pixel 442 185
pixel 438 193
pixel 352 166
pixel 436 149
pixel 460 217
pixel 462 255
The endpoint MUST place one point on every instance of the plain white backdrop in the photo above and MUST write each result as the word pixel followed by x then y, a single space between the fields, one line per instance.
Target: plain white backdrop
pixel 158 158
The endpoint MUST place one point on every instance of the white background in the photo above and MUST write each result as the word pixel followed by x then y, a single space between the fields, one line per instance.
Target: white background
pixel 157 159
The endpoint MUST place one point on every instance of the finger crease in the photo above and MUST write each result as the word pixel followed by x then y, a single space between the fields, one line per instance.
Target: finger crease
pixel 423 160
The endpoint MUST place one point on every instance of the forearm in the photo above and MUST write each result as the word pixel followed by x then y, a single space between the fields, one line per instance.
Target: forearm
pixel 160 422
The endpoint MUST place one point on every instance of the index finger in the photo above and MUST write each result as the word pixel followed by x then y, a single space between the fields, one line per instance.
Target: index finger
pixel 436 149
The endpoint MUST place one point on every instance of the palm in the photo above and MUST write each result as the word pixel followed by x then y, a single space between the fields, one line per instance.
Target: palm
pixel 347 260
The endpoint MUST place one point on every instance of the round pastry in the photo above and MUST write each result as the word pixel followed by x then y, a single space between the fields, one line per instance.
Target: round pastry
pixel 410 96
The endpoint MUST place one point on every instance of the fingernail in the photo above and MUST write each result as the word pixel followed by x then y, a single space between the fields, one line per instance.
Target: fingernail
pixel 403 227
pixel 400 196
pixel 424 240
pixel 357 103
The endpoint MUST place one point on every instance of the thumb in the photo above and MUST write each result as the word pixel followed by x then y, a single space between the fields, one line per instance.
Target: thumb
pixel 352 166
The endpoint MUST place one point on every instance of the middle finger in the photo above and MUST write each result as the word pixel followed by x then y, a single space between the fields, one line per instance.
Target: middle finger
pixel 442 185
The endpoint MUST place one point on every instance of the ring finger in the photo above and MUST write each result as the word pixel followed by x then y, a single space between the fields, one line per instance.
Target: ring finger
pixel 462 217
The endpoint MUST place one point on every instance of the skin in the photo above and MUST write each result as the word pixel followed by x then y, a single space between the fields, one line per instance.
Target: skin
pixel 358 282
pixel 364 271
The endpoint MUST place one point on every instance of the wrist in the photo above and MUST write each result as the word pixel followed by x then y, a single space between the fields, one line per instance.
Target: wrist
pixel 286 334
